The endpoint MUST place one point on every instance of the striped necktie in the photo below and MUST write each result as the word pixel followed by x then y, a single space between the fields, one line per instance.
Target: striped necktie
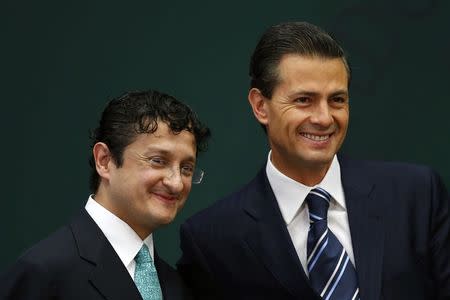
pixel 331 273
pixel 145 276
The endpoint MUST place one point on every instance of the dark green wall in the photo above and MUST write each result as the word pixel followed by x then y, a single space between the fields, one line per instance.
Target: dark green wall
pixel 61 62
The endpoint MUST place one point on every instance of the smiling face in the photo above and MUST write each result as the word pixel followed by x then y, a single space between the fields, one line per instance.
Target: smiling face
pixel 153 182
pixel 307 117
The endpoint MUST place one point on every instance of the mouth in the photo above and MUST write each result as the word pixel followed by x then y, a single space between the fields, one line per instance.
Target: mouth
pixel 169 198
pixel 315 137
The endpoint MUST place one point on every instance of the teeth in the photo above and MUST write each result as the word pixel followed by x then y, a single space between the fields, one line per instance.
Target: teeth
pixel 316 137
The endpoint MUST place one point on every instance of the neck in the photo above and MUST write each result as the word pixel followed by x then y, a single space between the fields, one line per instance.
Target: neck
pixel 142 230
pixel 309 174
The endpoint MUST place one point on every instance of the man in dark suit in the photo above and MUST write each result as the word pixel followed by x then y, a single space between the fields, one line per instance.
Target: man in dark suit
pixel 143 165
pixel 313 224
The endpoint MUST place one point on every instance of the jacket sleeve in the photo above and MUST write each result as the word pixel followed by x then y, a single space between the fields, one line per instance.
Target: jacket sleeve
pixel 25 280
pixel 439 245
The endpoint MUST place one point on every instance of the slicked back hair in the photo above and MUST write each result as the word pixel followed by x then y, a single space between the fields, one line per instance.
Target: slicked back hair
pixel 300 38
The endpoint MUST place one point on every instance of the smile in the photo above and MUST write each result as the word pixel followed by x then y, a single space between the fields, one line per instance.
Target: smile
pixel 317 138
pixel 166 197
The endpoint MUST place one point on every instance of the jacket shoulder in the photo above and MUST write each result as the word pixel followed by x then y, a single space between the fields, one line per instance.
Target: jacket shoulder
pixel 227 206
pixel 38 268
pixel 53 250
pixel 387 170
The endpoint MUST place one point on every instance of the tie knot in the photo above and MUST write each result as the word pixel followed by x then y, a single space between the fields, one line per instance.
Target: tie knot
pixel 318 202
pixel 143 255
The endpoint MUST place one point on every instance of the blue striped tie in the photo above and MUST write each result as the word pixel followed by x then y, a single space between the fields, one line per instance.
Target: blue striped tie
pixel 145 276
pixel 331 273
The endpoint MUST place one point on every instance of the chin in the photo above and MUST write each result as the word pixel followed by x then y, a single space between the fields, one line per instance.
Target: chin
pixel 164 214
pixel 319 160
pixel 165 219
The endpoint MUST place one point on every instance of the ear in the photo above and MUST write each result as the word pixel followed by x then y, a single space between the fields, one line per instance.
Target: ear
pixel 258 104
pixel 102 159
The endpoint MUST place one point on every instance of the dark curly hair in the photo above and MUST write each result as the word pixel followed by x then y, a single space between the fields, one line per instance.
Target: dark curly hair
pixel 138 112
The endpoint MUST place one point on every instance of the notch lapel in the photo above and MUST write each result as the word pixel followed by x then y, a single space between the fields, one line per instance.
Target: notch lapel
pixel 109 276
pixel 365 213
pixel 270 240
pixel 168 286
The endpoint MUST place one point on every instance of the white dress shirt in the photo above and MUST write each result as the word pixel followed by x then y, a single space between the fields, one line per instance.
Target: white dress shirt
pixel 123 239
pixel 291 195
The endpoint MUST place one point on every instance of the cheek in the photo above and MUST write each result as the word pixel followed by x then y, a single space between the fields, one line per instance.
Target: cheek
pixel 149 179
pixel 187 190
pixel 185 193
pixel 343 120
pixel 342 114
pixel 295 117
pixel 181 205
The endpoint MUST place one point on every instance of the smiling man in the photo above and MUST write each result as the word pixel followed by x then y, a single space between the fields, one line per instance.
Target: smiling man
pixel 306 118
pixel 313 224
pixel 143 166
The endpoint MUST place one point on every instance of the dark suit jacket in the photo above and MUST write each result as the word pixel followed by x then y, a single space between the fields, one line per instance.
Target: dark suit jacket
pixel 399 221
pixel 78 262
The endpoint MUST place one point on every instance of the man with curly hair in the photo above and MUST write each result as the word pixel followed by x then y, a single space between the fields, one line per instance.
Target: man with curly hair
pixel 143 165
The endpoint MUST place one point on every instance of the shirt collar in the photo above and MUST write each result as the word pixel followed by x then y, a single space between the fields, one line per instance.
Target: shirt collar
pixel 286 189
pixel 120 235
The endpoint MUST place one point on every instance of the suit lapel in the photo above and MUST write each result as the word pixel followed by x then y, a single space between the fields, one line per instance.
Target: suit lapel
pixel 109 276
pixel 172 285
pixel 164 277
pixel 270 240
pixel 365 212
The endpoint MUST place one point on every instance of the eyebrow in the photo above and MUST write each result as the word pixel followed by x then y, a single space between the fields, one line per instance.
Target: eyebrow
pixel 340 93
pixel 153 149
pixel 311 94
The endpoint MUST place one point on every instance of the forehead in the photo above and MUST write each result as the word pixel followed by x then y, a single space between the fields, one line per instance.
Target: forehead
pixel 165 141
pixel 311 70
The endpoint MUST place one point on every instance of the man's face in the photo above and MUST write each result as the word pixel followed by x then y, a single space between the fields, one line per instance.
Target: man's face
pixel 153 182
pixel 307 116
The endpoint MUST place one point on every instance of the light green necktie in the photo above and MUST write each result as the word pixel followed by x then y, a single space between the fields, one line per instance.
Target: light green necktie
pixel 145 276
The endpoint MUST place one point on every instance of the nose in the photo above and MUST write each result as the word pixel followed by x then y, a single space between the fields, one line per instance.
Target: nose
pixel 321 114
pixel 173 180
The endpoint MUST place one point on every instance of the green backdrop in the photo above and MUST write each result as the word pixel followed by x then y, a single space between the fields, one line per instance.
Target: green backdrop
pixel 62 60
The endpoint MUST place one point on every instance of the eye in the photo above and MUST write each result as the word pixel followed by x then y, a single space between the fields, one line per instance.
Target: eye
pixel 157 162
pixel 303 100
pixel 339 100
pixel 187 170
